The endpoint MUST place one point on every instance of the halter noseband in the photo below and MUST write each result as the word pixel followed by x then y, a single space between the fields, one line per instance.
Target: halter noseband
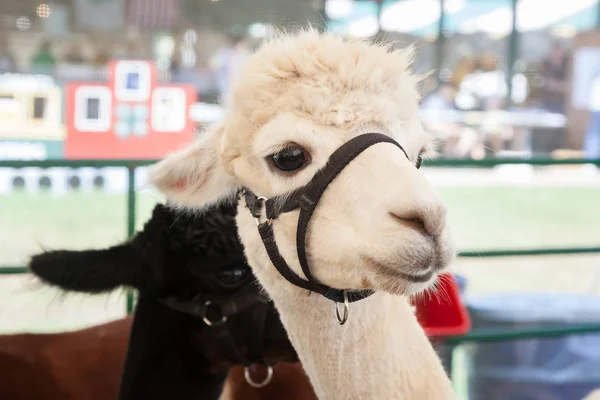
pixel 306 198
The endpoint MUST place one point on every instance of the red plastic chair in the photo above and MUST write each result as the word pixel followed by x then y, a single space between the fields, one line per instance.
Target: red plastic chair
pixel 443 314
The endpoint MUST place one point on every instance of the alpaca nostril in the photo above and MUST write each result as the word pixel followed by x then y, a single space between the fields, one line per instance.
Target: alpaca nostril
pixel 429 221
pixel 415 222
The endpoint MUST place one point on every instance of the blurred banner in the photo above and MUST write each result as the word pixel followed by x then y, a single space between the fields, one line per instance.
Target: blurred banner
pixel 58 25
pixel 99 15
pixel 152 14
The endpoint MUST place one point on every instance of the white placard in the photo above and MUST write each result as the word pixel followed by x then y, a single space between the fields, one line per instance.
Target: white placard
pixel 132 80
pixel 93 112
pixel 168 109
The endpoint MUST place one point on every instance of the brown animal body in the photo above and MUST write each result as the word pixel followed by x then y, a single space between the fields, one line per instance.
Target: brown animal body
pixel 79 365
pixel 87 365
pixel 289 382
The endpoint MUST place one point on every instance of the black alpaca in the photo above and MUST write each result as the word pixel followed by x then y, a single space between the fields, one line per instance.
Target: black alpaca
pixel 179 260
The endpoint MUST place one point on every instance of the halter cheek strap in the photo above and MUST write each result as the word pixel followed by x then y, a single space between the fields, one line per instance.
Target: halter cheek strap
pixel 306 199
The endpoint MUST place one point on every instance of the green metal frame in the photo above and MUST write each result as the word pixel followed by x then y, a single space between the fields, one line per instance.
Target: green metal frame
pixel 478 335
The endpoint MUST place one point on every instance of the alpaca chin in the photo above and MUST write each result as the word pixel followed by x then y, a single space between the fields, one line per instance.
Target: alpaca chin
pixel 409 275
pixel 389 282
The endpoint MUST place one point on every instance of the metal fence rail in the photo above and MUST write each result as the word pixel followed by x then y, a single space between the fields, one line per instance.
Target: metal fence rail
pixel 476 335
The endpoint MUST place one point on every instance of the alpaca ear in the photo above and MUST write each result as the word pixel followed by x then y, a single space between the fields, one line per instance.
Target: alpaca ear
pixel 194 177
pixel 91 271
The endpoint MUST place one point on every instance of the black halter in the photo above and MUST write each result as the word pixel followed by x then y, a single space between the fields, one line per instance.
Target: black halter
pixel 306 198
pixel 215 312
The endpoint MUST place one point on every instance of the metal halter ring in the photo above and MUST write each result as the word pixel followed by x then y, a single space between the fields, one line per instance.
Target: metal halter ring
pixel 208 321
pixel 263 200
pixel 258 384
pixel 342 320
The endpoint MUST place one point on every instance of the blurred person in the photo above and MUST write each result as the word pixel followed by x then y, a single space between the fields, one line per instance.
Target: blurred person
pixel 465 66
pixel 485 83
pixel 591 142
pixel 73 55
pixel 101 58
pixel 185 74
pixel 7 61
pixel 496 133
pixel 458 140
pixel 175 65
pixel 227 61
pixel 441 99
pixel 554 72
pixel 494 90
pixel 43 60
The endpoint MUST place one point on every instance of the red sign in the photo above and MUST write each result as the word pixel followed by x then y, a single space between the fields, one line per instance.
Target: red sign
pixel 131 117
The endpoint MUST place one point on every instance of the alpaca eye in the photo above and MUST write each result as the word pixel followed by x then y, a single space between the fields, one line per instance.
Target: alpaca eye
pixel 232 276
pixel 419 160
pixel 291 158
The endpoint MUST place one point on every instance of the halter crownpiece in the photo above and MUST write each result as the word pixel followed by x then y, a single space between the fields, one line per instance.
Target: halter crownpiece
pixel 306 198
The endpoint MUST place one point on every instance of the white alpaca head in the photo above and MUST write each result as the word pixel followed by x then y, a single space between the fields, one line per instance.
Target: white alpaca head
pixel 379 225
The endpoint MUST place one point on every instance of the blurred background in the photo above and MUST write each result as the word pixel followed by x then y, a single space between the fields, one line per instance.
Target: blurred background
pixel 510 82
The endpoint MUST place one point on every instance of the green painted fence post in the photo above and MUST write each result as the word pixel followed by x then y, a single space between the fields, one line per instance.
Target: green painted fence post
pixel 130 222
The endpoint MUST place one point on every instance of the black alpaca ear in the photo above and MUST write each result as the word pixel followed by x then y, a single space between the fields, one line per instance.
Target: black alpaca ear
pixel 130 264
pixel 89 271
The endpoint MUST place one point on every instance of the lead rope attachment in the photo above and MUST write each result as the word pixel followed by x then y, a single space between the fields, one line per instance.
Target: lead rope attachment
pixel 342 319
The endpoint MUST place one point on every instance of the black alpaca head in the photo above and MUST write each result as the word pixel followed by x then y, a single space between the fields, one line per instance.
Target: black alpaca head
pixel 192 258
pixel 176 253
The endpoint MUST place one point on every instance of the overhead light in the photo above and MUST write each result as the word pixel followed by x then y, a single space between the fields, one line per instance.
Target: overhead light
pixel 531 15
pixel 188 58
pixel 563 31
pixel 454 6
pixel 260 30
pixel 23 23
pixel 165 45
pixel 409 15
pixel 190 36
pixel 497 22
pixel 338 9
pixel 364 27
pixel 536 14
pixel 43 11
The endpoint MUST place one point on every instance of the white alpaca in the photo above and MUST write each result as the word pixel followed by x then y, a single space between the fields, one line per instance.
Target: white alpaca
pixel 594 395
pixel 379 225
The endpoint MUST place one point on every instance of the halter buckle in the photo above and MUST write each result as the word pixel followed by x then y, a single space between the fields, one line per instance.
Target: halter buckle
pixel 256 213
